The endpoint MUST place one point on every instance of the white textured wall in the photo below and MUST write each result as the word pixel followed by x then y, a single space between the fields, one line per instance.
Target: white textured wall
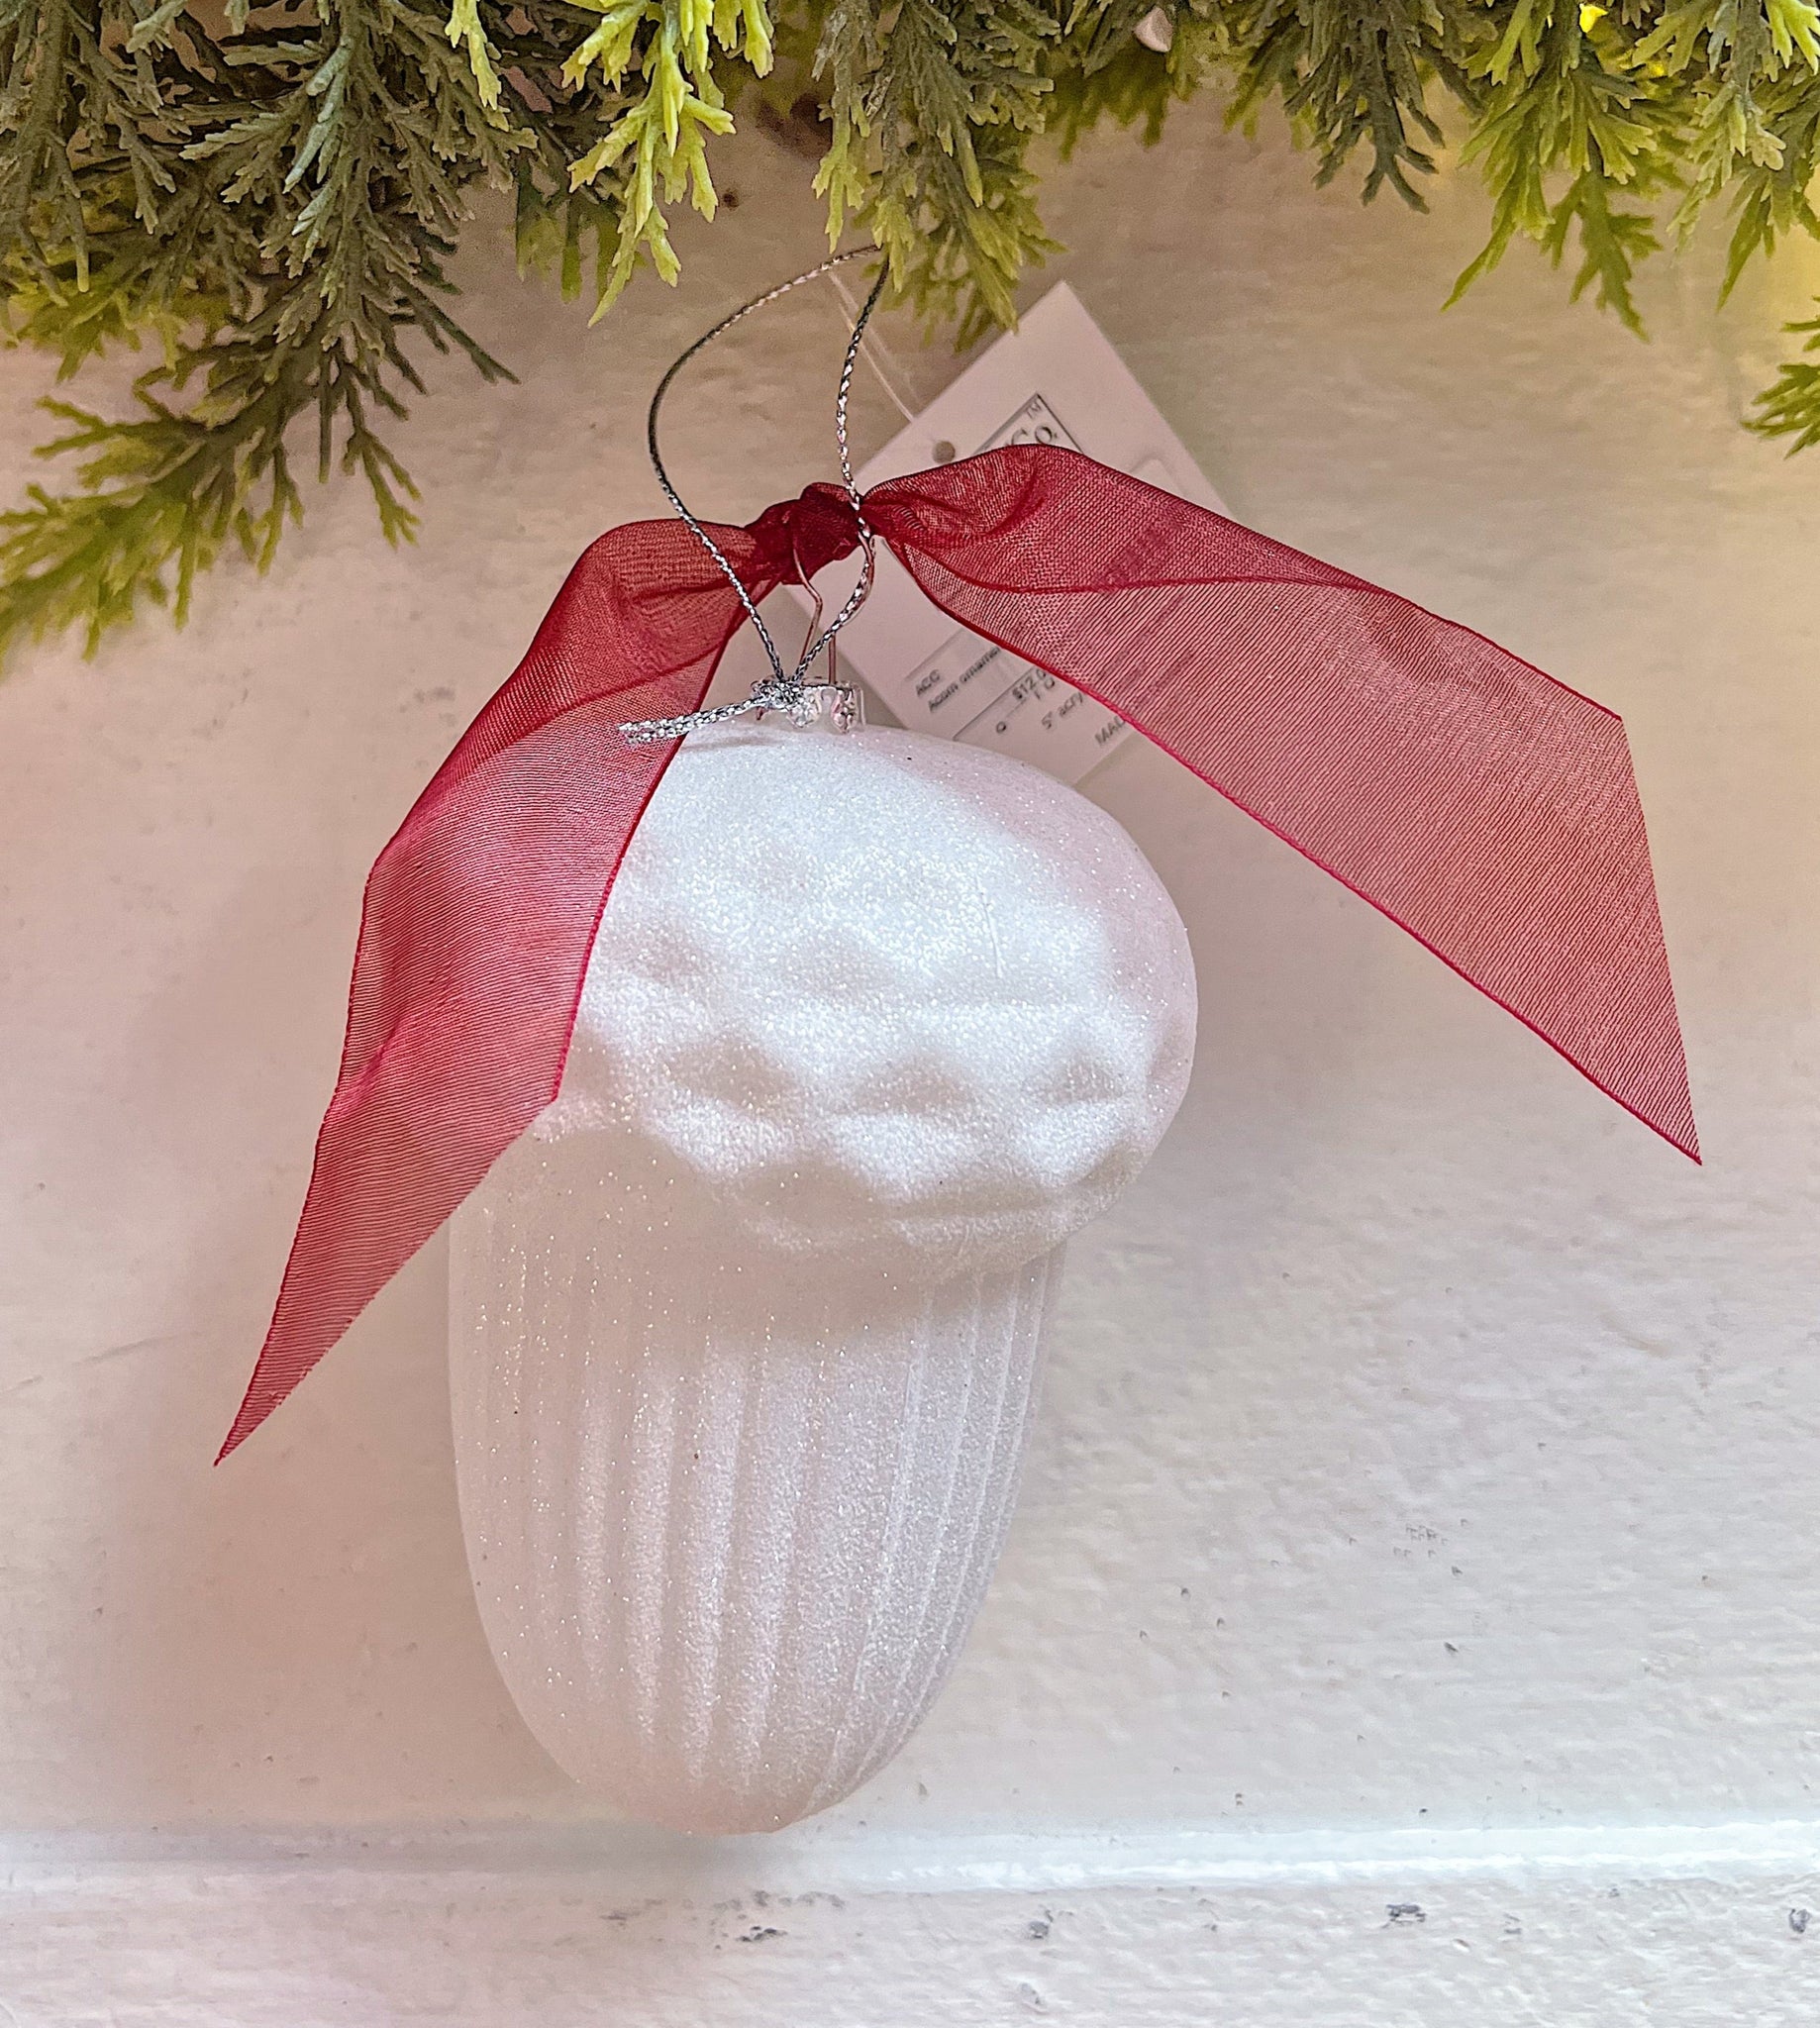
pixel 1426 1448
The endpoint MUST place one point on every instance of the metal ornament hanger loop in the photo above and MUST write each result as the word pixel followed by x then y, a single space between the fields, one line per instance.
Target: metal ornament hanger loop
pixel 785 690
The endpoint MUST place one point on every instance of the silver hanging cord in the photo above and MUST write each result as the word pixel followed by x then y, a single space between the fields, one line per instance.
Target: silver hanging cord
pixel 782 690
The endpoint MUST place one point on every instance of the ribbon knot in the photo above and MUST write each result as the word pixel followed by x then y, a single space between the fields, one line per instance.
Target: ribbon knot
pixel 791 539
pixel 805 535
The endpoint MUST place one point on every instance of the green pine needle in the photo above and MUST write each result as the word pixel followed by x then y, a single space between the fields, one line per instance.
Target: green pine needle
pixel 267 199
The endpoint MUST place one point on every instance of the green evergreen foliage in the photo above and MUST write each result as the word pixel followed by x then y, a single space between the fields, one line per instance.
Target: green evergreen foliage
pixel 266 196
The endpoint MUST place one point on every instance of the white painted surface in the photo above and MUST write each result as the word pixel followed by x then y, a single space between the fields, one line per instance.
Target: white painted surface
pixel 1425 1446
pixel 1612 1935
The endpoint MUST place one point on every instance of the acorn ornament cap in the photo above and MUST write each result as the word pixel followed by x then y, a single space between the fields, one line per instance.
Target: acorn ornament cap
pixel 745 1331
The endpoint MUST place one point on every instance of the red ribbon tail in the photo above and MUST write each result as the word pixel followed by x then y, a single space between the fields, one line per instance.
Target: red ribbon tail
pixel 1487 809
pixel 478 919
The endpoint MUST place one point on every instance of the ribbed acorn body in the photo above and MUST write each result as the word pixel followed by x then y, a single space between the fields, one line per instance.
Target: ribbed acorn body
pixel 744 1333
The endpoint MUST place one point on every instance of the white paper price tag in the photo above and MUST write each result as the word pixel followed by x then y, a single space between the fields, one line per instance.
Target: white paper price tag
pixel 1056 379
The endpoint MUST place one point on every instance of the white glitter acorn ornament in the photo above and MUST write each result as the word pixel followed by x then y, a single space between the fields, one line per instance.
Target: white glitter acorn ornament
pixel 743 1332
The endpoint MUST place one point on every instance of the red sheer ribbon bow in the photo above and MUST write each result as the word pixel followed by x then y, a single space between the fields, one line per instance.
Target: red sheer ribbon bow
pixel 1481 805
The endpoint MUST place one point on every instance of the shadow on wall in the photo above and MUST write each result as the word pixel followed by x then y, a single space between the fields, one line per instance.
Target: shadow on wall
pixel 290 1636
